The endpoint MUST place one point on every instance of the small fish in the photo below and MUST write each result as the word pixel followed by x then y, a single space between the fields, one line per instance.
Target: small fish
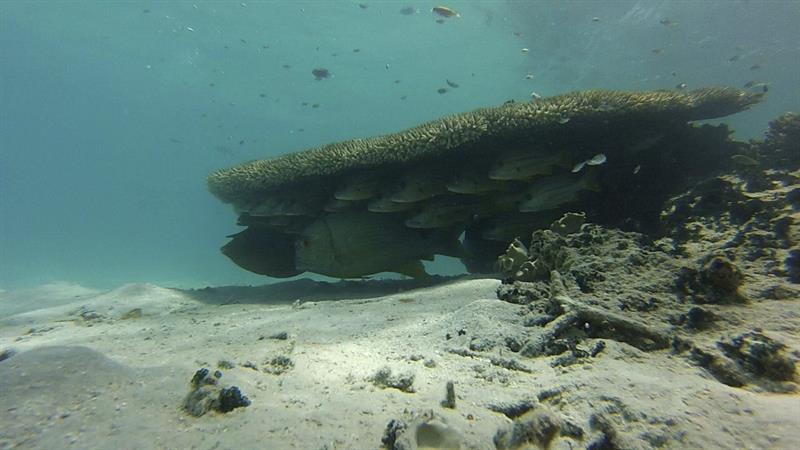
pixel 440 21
pixel 363 5
pixel 518 34
pixel 525 50
pixel 362 187
pixel 505 227
pixel 418 186
pixel 451 83
pixel 408 10
pixel 656 51
pixel 445 11
pixel 744 160
pixel 667 23
pixel 321 73
pixel 595 160
pixel 441 90
pixel 475 182
pixel 755 67
pixel 734 58
pixel 552 192
pixel 335 205
pixel 535 95
pixel 529 76
pixel 386 205
pixel 440 215
pixel 595 19
pixel 524 165
pixel 681 86
pixel 637 169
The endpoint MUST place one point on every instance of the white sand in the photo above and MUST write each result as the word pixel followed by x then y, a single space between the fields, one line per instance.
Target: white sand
pixel 106 382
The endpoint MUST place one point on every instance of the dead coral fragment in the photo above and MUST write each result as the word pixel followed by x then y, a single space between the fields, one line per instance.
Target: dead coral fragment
pixel 207 394
pixel 385 379
pixel 569 223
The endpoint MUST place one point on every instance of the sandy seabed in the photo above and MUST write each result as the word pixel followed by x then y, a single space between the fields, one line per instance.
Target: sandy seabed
pixel 87 369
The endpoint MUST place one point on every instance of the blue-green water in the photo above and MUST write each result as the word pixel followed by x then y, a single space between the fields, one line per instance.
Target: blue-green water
pixel 112 113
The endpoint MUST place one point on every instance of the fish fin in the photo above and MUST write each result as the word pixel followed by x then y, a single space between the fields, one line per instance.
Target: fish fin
pixel 446 242
pixel 413 269
pixel 578 167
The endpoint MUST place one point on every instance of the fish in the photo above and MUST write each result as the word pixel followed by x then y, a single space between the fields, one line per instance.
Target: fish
pixel 335 205
pixel 452 84
pixel 523 165
pixel 408 10
pixel 444 11
pixel 668 23
pixel 263 251
pixel 357 244
pixel 446 213
pixel 535 95
pixel 321 73
pixel 552 192
pixel 418 186
pixel 475 182
pixel 681 86
pixel 386 205
pixel 744 160
pixel 506 227
pixel 283 224
pixel 361 187
pixel 755 67
pixel 595 160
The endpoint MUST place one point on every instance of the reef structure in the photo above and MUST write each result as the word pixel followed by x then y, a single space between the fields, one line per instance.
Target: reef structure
pixel 492 174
